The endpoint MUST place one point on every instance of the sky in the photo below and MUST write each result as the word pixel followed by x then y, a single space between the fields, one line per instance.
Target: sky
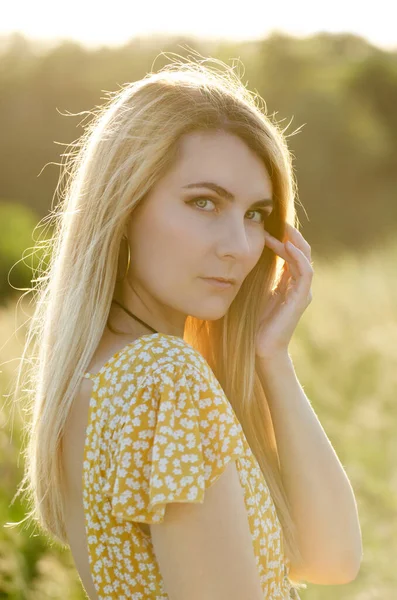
pixel 116 22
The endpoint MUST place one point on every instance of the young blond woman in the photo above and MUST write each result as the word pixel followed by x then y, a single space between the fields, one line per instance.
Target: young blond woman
pixel 171 446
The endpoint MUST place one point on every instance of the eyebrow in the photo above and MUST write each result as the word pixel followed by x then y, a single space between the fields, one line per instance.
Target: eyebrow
pixel 226 194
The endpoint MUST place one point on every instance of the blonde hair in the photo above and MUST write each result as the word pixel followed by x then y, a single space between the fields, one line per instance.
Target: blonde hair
pixel 128 146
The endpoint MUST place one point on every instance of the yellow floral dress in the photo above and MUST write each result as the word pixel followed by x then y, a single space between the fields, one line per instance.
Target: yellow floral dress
pixel 160 429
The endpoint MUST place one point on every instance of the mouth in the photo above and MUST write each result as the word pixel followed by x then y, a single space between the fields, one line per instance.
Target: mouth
pixel 223 279
pixel 219 283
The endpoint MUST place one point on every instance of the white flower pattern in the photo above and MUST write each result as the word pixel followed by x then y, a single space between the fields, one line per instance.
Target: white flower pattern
pixel 160 429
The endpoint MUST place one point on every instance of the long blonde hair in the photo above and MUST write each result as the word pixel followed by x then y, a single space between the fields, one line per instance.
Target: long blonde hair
pixel 127 147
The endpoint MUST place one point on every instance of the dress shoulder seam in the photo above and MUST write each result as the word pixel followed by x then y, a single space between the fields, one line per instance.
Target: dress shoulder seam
pixel 173 365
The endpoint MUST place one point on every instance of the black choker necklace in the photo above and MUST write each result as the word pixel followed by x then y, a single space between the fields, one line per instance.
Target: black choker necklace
pixel 134 316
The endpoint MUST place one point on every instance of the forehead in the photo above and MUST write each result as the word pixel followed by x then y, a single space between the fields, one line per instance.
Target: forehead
pixel 223 158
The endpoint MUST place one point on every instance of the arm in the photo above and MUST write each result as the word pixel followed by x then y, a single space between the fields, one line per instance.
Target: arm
pixel 205 550
pixel 321 497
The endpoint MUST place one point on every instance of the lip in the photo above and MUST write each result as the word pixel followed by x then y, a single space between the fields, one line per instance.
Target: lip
pixel 219 283
pixel 225 279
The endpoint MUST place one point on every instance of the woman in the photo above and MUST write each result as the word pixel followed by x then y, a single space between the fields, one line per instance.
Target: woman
pixel 171 445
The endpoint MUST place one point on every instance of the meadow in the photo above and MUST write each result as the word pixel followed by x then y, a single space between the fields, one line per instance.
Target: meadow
pixel 345 355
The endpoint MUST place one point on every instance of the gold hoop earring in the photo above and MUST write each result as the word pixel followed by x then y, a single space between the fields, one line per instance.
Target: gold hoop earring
pixel 128 259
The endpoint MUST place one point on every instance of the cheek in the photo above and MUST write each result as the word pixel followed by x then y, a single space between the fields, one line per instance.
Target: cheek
pixel 261 247
pixel 178 231
pixel 257 249
pixel 163 243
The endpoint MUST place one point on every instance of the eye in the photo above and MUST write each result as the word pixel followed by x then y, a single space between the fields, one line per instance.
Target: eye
pixel 261 211
pixel 200 199
pixel 264 214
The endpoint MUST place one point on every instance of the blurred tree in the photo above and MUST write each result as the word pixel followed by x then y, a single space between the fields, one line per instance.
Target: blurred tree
pixel 337 91
pixel 17 223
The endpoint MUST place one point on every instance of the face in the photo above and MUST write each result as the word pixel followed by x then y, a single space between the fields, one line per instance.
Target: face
pixel 182 233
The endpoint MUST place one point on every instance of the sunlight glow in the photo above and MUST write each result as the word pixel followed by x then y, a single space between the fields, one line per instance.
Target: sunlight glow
pixel 115 23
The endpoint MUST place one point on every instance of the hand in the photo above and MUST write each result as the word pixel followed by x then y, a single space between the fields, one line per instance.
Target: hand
pixel 290 298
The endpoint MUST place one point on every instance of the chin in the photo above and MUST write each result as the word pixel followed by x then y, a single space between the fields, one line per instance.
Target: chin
pixel 210 314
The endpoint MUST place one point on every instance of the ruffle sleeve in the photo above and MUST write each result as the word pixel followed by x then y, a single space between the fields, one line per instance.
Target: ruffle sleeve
pixel 178 436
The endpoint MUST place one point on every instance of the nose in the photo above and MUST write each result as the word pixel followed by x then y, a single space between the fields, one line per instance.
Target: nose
pixel 235 240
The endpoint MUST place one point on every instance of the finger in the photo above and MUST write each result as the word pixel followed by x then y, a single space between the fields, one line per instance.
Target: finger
pixel 298 240
pixel 302 267
pixel 283 280
pixel 276 246
pixel 300 257
pixel 294 266
pixel 279 247
pixel 282 250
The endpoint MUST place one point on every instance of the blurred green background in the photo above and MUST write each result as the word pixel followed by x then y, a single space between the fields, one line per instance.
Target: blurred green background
pixel 341 93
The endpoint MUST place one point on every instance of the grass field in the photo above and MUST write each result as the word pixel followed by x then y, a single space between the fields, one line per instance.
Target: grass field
pixel 345 355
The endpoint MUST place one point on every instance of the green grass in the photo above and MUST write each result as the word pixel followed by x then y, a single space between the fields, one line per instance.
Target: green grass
pixel 345 355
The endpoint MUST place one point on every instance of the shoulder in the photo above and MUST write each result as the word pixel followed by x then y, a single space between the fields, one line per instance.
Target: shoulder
pixel 157 353
pixel 169 349
pixel 176 434
pixel 173 363
pixel 159 368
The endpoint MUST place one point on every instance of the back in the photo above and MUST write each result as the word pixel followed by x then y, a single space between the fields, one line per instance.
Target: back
pixel 175 503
